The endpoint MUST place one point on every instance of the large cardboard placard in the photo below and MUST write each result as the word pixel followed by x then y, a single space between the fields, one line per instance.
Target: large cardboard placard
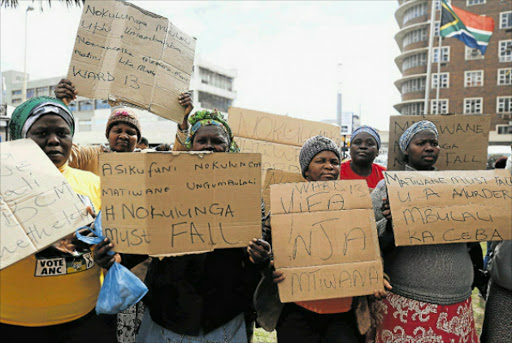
pixel 463 140
pixel 275 176
pixel 126 54
pixel 38 205
pixel 275 128
pixel 450 206
pixel 325 240
pixel 273 155
pixel 175 203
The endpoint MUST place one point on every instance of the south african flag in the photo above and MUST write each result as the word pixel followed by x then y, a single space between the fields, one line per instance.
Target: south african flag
pixel 472 29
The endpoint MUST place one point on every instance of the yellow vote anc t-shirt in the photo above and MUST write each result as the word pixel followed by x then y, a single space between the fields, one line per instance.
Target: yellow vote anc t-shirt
pixel 54 287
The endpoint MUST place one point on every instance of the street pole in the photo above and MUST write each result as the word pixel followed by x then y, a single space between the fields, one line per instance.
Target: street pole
pixel 24 91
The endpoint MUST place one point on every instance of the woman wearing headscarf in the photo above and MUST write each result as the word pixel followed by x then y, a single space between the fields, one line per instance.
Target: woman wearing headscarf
pixel 432 284
pixel 54 308
pixel 342 320
pixel 123 130
pixel 198 297
pixel 364 148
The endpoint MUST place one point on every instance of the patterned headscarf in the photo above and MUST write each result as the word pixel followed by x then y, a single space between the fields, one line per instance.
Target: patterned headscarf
pixel 206 118
pixel 26 114
pixel 368 129
pixel 414 129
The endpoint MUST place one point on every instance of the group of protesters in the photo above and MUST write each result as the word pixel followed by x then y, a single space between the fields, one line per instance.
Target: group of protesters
pixel 220 296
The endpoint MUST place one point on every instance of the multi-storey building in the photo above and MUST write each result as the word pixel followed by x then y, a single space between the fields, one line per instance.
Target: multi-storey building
pixel 470 83
pixel 212 86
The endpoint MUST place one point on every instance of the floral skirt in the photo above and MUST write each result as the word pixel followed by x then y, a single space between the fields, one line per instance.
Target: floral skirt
pixel 397 319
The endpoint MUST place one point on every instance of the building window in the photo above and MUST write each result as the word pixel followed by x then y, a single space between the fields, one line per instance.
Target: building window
pixel 504 76
pixel 413 109
pixel 503 130
pixel 102 104
pixel 52 90
pixel 445 54
pixel 505 20
pixel 31 93
pixel 441 109
pixel 414 61
pixel 85 105
pixel 414 12
pixel 214 79
pixel 505 51
pixel 504 104
pixel 473 106
pixel 40 91
pixel 474 78
pixel 17 92
pixel 475 2
pixel 211 102
pixel 438 4
pixel 16 101
pixel 437 24
pixel 473 54
pixel 414 85
pixel 414 37
pixel 73 106
pixel 445 80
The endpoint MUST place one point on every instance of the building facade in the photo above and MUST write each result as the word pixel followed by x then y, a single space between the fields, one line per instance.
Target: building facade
pixel 470 83
pixel 212 88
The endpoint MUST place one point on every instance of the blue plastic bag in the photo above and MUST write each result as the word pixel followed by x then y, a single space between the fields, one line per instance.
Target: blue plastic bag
pixel 121 288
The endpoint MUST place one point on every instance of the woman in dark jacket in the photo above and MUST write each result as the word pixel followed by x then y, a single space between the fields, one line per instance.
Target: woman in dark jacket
pixel 198 297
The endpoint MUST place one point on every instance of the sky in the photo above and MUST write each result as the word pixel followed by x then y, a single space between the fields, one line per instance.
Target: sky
pixel 286 53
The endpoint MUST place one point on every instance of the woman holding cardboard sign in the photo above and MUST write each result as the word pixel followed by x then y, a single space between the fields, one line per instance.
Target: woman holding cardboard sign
pixel 199 297
pixel 338 320
pixel 123 130
pixel 364 148
pixel 56 303
pixel 431 296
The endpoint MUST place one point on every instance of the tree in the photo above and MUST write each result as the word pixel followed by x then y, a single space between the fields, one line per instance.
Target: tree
pixel 14 3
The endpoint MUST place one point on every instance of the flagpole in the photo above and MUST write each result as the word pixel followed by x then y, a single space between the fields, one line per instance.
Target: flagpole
pixel 438 111
pixel 429 59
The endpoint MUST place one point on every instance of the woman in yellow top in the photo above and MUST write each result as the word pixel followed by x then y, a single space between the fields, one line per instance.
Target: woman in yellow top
pixel 55 306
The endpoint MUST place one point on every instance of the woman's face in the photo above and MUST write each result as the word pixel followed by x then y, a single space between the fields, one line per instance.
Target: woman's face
pixel 423 151
pixel 363 149
pixel 210 138
pixel 122 138
pixel 53 136
pixel 323 167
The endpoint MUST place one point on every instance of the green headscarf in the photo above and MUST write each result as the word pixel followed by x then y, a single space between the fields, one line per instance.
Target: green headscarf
pixel 206 118
pixel 27 113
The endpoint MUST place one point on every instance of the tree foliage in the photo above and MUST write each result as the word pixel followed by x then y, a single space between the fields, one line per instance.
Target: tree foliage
pixel 15 3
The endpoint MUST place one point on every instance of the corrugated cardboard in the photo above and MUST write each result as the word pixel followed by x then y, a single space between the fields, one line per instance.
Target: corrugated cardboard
pixel 324 240
pixel 126 54
pixel 274 176
pixel 38 205
pixel 463 140
pixel 280 129
pixel 450 206
pixel 170 203
pixel 273 155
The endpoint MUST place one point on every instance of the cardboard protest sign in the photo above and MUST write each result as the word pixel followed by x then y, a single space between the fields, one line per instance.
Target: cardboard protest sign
pixel 175 203
pixel 273 155
pixel 277 128
pixel 275 176
pixel 450 206
pixel 126 54
pixel 324 239
pixel 463 140
pixel 38 206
